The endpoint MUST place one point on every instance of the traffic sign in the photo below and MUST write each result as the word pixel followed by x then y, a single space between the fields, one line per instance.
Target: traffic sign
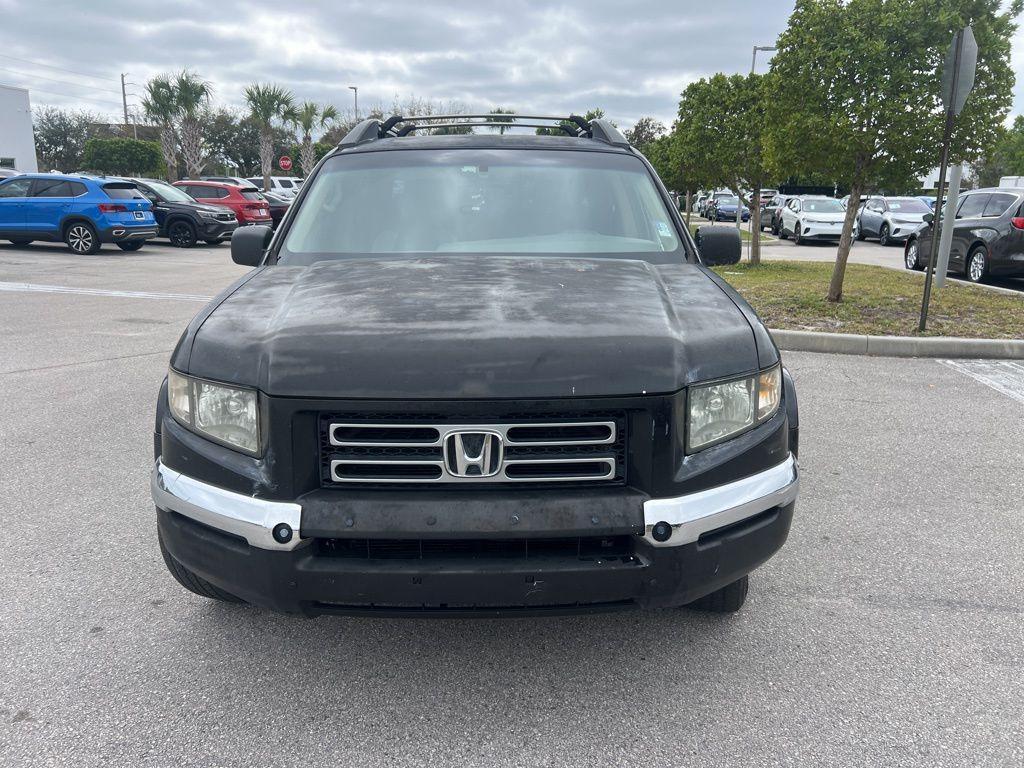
pixel 285 163
pixel 963 64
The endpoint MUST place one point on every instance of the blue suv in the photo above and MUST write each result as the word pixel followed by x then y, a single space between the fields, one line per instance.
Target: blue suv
pixel 82 211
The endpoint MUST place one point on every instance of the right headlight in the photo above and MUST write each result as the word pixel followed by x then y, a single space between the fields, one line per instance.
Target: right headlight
pixel 225 414
pixel 724 409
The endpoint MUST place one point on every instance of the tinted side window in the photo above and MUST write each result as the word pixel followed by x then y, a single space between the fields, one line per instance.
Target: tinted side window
pixel 998 203
pixel 972 207
pixel 51 188
pixel 123 192
pixel 16 188
pixel 77 188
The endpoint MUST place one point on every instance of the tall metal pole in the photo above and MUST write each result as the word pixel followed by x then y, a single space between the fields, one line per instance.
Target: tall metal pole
pixel 355 95
pixel 939 208
pixel 124 99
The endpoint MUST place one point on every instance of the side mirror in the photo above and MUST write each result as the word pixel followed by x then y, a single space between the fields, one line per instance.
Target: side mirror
pixel 717 245
pixel 928 218
pixel 248 244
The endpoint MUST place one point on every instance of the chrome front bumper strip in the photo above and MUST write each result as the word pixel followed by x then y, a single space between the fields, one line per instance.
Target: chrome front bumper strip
pixel 251 518
pixel 688 516
pixel 697 513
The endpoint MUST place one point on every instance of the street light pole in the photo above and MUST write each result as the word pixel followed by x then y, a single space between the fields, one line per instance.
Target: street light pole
pixel 753 60
pixel 355 95
pixel 754 214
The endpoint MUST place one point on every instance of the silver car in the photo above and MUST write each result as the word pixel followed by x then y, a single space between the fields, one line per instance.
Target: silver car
pixel 891 219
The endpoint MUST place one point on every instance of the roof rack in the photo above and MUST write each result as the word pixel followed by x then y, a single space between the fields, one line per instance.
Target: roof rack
pixel 397 126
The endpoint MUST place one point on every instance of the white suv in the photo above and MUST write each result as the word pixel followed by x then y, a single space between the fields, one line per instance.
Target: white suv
pixel 287 186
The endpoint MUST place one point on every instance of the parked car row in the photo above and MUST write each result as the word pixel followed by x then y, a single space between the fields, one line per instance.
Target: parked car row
pixel 86 211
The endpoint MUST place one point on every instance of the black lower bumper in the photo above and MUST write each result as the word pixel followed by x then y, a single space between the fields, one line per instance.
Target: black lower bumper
pixel 314 579
pixel 218 229
pixel 127 234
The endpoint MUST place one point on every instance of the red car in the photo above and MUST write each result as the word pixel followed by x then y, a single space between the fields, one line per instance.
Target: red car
pixel 249 205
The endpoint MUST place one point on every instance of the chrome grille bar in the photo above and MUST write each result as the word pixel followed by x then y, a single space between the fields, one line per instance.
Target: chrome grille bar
pixel 441 431
pixel 417 452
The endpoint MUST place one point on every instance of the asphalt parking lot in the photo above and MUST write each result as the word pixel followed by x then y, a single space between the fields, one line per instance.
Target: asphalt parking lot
pixel 889 630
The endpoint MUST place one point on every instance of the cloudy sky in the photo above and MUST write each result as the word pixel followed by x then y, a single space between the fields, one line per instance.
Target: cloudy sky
pixel 630 58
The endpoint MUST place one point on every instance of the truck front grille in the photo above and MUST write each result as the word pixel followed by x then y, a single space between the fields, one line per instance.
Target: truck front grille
pixel 371 450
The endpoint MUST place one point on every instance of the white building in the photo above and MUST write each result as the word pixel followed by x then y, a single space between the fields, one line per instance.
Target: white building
pixel 17 144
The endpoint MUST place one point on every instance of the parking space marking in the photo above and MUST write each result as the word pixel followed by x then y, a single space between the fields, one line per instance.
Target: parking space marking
pixel 1004 376
pixel 36 288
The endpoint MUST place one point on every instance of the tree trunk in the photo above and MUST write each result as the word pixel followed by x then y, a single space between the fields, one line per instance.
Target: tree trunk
pixel 755 225
pixel 835 286
pixel 307 155
pixel 689 207
pixel 266 155
pixel 169 150
pixel 193 149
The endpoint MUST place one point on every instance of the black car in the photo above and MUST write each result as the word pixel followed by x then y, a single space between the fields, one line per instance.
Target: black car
pixel 988 236
pixel 183 220
pixel 278 206
pixel 771 214
pixel 476 374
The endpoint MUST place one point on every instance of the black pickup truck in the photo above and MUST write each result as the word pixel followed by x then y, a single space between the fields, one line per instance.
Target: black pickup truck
pixel 476 374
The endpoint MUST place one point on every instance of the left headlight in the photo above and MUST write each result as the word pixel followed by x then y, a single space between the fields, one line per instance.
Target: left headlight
pixel 209 214
pixel 724 409
pixel 225 414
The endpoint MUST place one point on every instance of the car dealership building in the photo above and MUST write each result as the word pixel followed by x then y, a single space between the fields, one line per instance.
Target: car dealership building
pixel 17 144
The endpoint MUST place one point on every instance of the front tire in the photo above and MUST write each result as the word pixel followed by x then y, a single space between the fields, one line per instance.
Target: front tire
pixel 190 581
pixel 883 236
pixel 976 267
pixel 912 256
pixel 131 245
pixel 728 599
pixel 182 234
pixel 82 239
pixel 798 239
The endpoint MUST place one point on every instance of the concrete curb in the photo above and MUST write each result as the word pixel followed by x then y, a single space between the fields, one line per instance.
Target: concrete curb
pixel 899 346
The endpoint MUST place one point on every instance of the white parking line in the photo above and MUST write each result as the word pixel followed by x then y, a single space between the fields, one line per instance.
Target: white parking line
pixel 36 288
pixel 1004 376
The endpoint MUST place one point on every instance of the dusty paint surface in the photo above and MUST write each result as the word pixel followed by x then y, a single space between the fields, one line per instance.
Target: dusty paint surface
pixel 466 327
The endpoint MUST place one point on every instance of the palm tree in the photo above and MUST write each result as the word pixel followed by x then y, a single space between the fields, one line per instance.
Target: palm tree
pixel 160 106
pixel 192 96
pixel 310 117
pixel 269 103
pixel 502 111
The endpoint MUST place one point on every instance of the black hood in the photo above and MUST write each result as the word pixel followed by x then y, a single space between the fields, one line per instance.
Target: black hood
pixel 465 327
pixel 180 206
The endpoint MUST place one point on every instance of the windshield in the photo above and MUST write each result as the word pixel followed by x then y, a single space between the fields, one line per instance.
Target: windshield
pixel 728 201
pixel 908 205
pixel 823 206
pixel 169 193
pixel 480 201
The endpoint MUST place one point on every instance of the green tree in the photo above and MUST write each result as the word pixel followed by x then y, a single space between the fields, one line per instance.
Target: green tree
pixel 720 127
pixel 644 132
pixel 855 93
pixel 311 117
pixel 1006 157
pixel 123 157
pixel 269 105
pixel 60 137
pixel 191 101
pixel 160 105
pixel 502 111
